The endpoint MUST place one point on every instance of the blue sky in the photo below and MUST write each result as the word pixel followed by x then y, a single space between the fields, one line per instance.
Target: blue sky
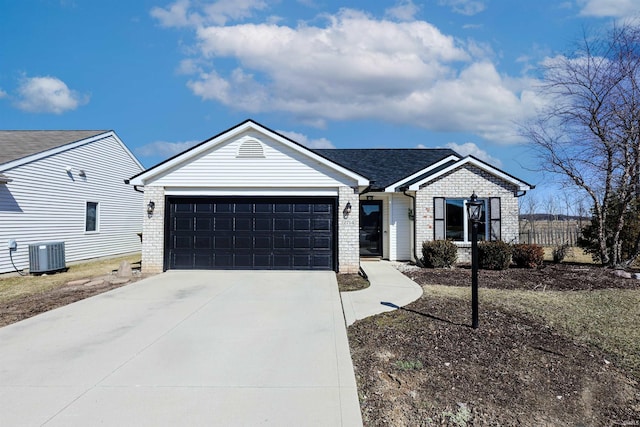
pixel 351 74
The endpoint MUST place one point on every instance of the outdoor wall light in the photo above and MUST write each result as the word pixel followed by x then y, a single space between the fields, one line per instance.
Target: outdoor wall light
pixel 411 215
pixel 369 197
pixel 347 209
pixel 150 208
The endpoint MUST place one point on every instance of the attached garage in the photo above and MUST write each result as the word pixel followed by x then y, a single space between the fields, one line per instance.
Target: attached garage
pixel 250 198
pixel 282 233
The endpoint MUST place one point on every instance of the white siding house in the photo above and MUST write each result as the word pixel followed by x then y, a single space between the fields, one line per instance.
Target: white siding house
pixel 67 186
pixel 250 198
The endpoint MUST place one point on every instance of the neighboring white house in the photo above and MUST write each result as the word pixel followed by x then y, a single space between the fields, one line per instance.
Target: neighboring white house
pixel 250 198
pixel 67 186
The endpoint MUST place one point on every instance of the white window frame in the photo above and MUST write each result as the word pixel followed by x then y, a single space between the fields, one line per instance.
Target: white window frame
pixel 86 212
pixel 466 222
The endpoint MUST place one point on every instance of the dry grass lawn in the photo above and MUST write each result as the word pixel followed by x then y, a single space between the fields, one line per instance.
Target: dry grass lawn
pixel 12 287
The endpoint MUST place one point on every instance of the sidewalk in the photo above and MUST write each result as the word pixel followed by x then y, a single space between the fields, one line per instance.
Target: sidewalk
pixel 388 290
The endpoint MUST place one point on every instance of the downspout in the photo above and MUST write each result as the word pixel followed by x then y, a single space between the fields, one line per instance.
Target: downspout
pixel 135 187
pixel 415 240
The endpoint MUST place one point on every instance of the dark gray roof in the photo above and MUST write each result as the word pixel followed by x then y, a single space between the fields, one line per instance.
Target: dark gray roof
pixel 386 166
pixel 16 144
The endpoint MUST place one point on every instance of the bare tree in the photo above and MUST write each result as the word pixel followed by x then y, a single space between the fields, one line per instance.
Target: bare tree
pixel 589 135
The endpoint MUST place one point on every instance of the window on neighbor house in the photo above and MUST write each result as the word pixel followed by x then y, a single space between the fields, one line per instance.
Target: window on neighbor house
pixel 91 217
pixel 451 219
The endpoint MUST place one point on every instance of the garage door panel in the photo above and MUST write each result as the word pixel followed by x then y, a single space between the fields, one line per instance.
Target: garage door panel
pixel 203 224
pixel 203 260
pixel 262 243
pixel 302 224
pixel 223 242
pixel 245 207
pixel 183 242
pixel 282 224
pixel 303 242
pixel 243 233
pixel 243 243
pixel 183 224
pixel 223 224
pixel 281 242
pixel 203 242
pixel 243 224
pixel 262 225
pixel 320 243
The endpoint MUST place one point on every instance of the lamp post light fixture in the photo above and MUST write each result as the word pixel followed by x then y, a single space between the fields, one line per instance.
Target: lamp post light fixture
pixel 474 208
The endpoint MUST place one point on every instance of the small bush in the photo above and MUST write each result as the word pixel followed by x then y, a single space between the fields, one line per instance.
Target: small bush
pixel 439 253
pixel 527 256
pixel 560 253
pixel 494 255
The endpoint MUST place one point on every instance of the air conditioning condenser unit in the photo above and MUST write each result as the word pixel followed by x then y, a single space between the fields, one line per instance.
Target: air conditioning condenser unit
pixel 46 257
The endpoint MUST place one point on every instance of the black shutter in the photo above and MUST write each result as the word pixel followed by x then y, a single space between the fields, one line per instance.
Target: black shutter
pixel 438 218
pixel 495 223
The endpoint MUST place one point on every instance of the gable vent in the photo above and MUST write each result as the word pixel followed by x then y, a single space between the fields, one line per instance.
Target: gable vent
pixel 250 149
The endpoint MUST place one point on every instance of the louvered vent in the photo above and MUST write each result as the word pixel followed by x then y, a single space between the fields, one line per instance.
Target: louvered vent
pixel 250 149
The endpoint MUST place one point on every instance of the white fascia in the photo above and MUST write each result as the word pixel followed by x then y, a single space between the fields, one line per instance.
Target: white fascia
pixel 392 187
pixel 522 186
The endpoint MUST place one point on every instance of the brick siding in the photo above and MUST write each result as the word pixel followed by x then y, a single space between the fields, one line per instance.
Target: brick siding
pixel 348 231
pixel 153 231
pixel 461 183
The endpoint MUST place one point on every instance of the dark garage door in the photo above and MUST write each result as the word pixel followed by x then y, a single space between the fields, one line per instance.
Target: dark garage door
pixel 251 233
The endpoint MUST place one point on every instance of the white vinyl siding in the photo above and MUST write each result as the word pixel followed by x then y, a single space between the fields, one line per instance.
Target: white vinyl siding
pixel 281 167
pixel 44 203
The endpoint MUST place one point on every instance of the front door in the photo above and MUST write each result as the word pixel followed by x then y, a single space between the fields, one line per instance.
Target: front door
pixel 370 228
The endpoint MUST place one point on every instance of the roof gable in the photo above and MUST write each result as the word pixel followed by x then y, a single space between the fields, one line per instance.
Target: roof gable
pixel 18 144
pixel 438 172
pixel 246 134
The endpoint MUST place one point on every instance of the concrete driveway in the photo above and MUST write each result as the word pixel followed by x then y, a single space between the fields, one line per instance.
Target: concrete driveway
pixel 186 348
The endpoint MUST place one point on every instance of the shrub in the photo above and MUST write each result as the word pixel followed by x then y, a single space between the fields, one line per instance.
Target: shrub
pixel 528 256
pixel 494 255
pixel 560 252
pixel 439 253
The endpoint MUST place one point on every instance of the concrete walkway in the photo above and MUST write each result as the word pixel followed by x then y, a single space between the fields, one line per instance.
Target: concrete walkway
pixel 186 348
pixel 388 290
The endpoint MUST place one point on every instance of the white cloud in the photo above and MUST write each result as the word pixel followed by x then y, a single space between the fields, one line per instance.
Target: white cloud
pixel 464 7
pixel 609 8
pixel 404 10
pixel 176 15
pixel 471 149
pixel 304 140
pixel 3 94
pixel 179 13
pixel 47 95
pixel 353 66
pixel 163 148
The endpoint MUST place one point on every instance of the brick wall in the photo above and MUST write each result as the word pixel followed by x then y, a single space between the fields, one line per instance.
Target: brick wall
pixel 461 183
pixel 348 231
pixel 153 231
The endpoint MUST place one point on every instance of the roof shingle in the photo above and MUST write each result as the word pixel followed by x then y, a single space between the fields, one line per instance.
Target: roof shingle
pixel 17 144
pixel 386 166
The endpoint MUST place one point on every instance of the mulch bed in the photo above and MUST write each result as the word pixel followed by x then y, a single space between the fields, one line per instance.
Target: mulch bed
pixel 423 365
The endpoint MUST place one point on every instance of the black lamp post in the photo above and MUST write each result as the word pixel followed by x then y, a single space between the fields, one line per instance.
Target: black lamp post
pixel 474 208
